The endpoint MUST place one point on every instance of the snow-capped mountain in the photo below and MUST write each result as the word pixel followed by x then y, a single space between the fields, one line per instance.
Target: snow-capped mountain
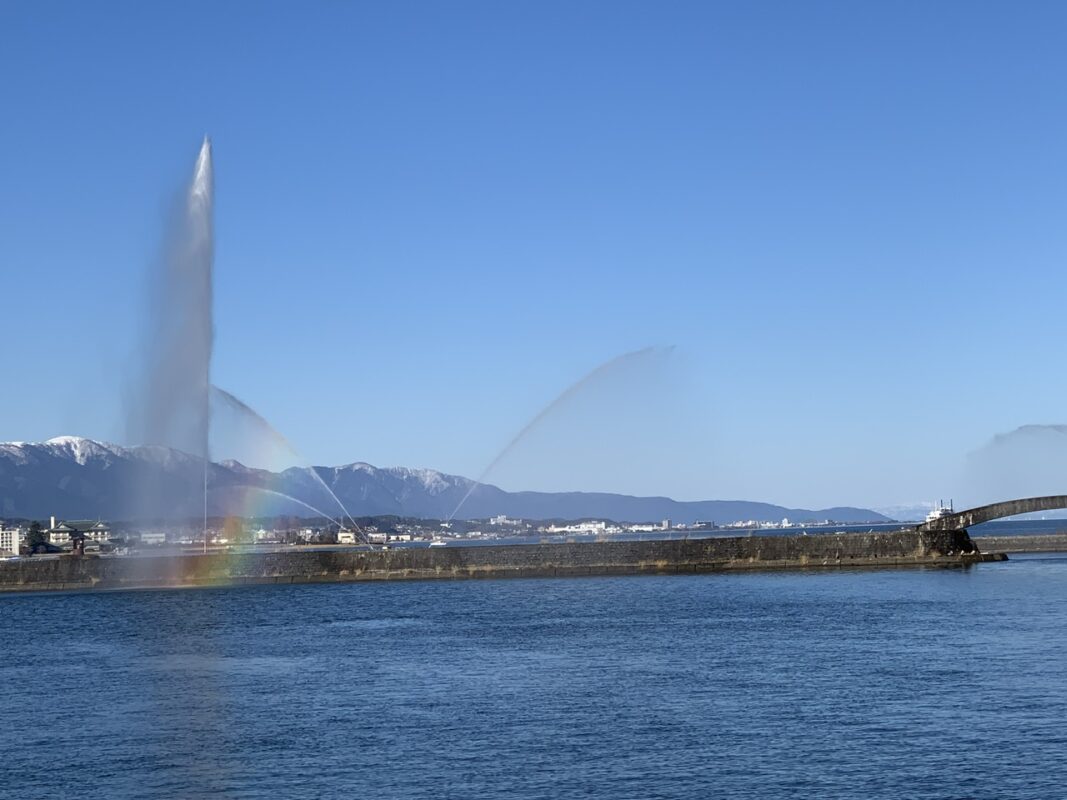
pixel 75 477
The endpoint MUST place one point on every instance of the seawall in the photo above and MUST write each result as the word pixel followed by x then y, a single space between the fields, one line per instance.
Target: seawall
pixel 1041 543
pixel 904 548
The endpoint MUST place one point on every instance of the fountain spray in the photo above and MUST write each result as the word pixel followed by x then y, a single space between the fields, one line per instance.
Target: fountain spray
pixel 173 406
pixel 261 423
pixel 201 217
pixel 601 371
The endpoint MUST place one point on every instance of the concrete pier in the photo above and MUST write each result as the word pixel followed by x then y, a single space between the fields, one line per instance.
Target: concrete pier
pixel 902 548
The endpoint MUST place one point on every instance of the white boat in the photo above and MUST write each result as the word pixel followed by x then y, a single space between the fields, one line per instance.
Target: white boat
pixel 438 543
pixel 941 510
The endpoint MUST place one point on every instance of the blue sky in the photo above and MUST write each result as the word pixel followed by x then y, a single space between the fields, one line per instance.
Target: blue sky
pixel 433 217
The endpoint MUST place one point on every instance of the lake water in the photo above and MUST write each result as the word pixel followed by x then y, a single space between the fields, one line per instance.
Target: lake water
pixel 918 683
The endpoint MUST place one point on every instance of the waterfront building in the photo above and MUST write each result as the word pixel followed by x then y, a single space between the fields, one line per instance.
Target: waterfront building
pixel 346 537
pixel 11 539
pixel 646 527
pixel 91 530
pixel 592 526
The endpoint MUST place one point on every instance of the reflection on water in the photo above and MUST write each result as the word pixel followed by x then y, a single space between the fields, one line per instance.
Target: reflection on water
pixel 921 683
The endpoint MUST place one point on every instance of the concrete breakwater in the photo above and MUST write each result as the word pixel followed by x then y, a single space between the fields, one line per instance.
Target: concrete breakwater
pixel 903 548
pixel 1040 543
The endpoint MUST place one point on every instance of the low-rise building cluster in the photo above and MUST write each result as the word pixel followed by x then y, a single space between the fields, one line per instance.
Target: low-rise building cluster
pixel 79 536
pixel 601 528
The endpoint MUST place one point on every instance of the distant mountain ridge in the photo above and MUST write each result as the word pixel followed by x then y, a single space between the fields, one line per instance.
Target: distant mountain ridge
pixel 75 477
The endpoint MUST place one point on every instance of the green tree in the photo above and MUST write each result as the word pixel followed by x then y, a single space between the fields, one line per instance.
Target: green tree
pixel 36 535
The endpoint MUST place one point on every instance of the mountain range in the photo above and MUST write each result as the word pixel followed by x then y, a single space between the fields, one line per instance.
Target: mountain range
pixel 73 477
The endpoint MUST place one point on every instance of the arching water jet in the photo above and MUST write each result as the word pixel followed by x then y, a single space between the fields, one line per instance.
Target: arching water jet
pixel 262 425
pixel 575 388
pixel 284 496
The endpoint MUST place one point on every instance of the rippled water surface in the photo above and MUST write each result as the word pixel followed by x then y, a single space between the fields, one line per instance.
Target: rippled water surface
pixel 906 683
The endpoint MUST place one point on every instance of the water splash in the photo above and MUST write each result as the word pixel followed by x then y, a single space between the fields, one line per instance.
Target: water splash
pixel 172 406
pixel 607 368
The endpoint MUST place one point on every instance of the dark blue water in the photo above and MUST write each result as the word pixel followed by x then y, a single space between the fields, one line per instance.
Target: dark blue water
pixel 917 683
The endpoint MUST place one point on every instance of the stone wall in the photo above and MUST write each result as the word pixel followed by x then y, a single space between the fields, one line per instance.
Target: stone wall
pixel 1043 543
pixel 541 560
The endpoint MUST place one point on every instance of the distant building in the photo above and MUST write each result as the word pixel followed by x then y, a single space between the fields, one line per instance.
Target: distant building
pixel 646 527
pixel 84 529
pixel 153 537
pixel 346 537
pixel 592 526
pixel 10 539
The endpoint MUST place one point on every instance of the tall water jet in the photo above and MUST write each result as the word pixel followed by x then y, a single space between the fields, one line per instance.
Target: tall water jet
pixel 566 395
pixel 172 406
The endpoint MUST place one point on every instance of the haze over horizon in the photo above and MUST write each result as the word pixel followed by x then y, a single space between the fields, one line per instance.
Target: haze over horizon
pixel 846 231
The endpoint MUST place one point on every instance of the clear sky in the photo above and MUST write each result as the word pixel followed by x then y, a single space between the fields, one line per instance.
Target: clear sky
pixel 847 218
